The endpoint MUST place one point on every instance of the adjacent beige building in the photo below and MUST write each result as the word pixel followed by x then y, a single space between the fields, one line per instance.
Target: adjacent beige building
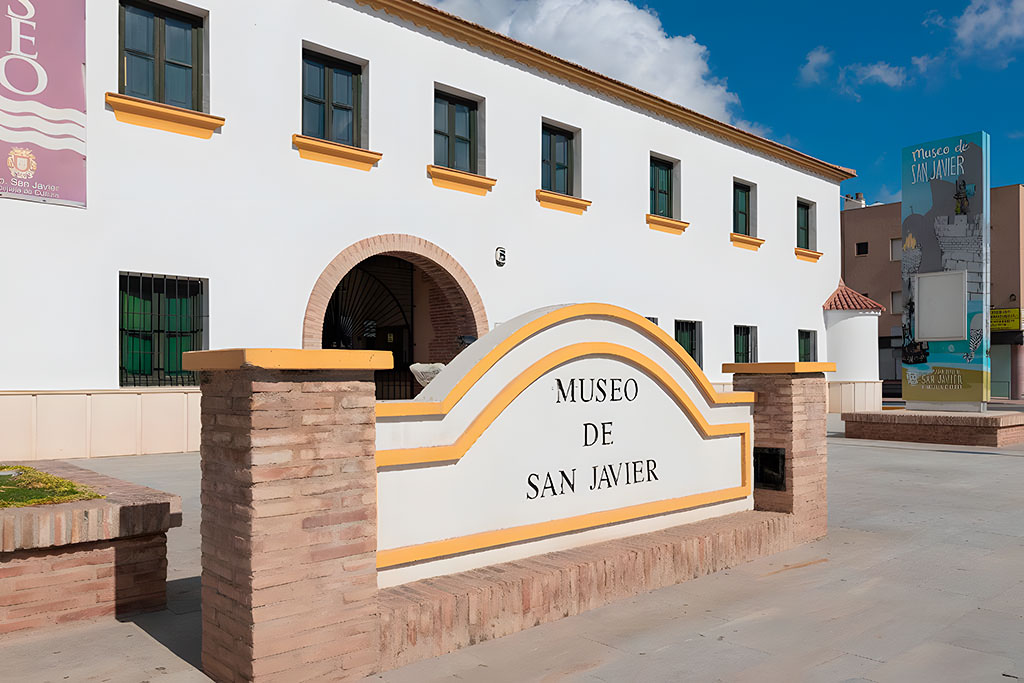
pixel 871 250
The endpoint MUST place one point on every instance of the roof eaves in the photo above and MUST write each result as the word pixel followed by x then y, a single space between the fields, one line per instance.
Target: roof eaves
pixel 465 31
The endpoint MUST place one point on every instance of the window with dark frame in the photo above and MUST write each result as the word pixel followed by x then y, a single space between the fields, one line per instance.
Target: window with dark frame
pixel 745 343
pixel 455 136
pixel 556 160
pixel 741 208
pixel 803 225
pixel 161 317
pixel 807 346
pixel 688 335
pixel 330 99
pixel 161 55
pixel 661 187
pixel 862 248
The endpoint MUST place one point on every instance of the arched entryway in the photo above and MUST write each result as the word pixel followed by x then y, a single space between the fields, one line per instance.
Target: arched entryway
pixel 397 293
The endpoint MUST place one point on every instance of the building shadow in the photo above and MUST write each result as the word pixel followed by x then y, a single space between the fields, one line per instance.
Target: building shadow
pixel 179 627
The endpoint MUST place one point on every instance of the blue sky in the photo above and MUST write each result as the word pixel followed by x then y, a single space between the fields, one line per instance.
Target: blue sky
pixel 849 83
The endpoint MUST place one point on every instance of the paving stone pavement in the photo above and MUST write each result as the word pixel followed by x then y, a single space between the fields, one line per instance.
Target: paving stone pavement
pixel 920 579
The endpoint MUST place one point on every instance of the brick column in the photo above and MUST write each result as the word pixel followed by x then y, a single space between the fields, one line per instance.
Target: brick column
pixel 790 413
pixel 289 518
pixel 1016 371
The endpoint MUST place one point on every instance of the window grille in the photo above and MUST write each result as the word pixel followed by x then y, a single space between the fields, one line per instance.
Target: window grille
pixel 688 334
pixel 807 342
pixel 745 343
pixel 161 317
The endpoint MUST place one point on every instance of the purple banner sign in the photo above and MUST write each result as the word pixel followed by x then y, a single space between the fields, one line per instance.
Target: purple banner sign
pixel 42 100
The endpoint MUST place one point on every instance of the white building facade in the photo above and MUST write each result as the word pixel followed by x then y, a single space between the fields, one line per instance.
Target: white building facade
pixel 235 227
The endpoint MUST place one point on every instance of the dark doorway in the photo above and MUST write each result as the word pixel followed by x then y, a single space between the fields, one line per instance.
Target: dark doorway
pixel 372 308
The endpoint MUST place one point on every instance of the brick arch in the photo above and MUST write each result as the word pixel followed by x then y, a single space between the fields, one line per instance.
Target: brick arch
pixel 451 280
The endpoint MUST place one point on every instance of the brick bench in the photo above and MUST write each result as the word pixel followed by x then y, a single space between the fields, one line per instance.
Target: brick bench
pixel 435 616
pixel 920 426
pixel 86 559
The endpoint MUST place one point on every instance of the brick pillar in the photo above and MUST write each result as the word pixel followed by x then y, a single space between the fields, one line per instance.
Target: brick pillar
pixel 1016 371
pixel 790 413
pixel 289 519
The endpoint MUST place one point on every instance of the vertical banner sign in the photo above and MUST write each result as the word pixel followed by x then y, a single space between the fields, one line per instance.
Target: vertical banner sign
pixel 946 270
pixel 42 100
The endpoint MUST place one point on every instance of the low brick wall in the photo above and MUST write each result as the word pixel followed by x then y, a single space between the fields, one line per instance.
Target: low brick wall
pixel 435 616
pixel 964 429
pixel 61 563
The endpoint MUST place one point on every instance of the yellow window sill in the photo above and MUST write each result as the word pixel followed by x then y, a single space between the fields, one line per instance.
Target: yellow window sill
pixel 778 368
pixel 745 241
pixel 808 255
pixel 163 116
pixel 451 179
pixel 562 202
pixel 329 152
pixel 669 225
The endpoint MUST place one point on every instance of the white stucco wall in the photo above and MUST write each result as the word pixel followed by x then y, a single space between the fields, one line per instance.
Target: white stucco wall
pixel 243 210
pixel 852 344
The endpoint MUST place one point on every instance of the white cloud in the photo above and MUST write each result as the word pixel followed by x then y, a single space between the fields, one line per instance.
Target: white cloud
pixel 854 75
pixel 615 38
pixel 926 62
pixel 885 196
pixel 813 70
pixel 1015 134
pixel 991 24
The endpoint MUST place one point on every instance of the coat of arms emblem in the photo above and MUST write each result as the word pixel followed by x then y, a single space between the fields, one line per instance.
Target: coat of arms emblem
pixel 22 163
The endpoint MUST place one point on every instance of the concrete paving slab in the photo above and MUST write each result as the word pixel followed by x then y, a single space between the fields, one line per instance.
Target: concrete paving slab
pixel 919 579
pixel 941 662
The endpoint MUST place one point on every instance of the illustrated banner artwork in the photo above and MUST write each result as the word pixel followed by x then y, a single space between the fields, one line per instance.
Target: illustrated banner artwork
pixel 946 223
pixel 42 101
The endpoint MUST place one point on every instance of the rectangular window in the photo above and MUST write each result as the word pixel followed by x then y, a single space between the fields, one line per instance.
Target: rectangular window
pixel 896 249
pixel 803 225
pixel 330 99
pixel 556 160
pixel 745 343
pixel 161 55
pixel 661 188
pixel 862 248
pixel 455 137
pixel 688 334
pixel 161 317
pixel 807 346
pixel 741 208
pixel 896 302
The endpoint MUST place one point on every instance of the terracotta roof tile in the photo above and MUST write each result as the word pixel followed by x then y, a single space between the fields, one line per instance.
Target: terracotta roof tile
pixel 846 299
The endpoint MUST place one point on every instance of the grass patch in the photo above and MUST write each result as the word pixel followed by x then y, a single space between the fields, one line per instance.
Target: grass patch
pixel 29 486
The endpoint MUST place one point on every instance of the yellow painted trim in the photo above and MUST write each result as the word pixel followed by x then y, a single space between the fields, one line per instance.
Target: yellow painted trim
pixel 489 539
pixel 669 225
pixel 808 255
pixel 452 453
pixel 472 34
pixel 336 153
pixel 655 333
pixel 777 368
pixel 451 179
pixel 532 532
pixel 163 116
pixel 745 241
pixel 287 359
pixel 562 202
